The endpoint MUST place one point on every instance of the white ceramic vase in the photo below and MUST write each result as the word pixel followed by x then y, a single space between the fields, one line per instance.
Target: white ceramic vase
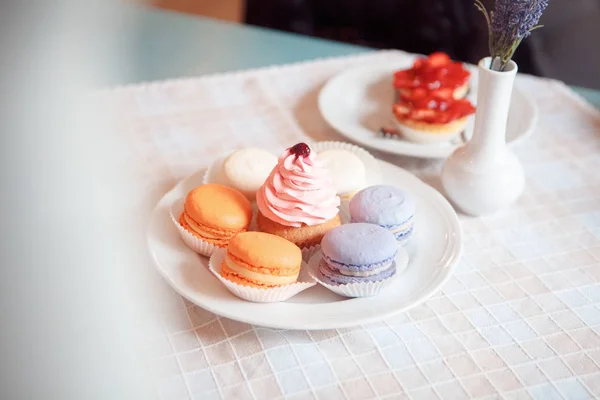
pixel 484 176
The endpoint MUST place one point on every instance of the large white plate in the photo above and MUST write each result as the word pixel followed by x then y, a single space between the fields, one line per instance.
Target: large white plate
pixel 358 102
pixel 434 251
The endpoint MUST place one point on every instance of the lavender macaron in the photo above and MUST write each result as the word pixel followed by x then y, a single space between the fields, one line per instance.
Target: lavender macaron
pixel 386 206
pixel 357 253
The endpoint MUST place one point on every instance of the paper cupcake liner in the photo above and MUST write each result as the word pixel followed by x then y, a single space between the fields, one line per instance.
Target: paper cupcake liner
pixel 366 289
pixel 192 241
pixel 253 224
pixel 371 164
pixel 258 295
pixel 307 252
pixel 345 212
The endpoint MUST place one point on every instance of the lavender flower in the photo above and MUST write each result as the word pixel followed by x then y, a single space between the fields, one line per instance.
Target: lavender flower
pixel 509 23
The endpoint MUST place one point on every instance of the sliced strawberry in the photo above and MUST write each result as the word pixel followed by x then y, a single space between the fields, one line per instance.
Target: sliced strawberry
pixel 419 93
pixel 401 108
pixel 419 62
pixel 438 59
pixel 444 93
pixel 422 114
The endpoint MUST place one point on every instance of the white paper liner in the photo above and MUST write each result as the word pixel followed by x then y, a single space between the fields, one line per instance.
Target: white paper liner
pixel 345 212
pixel 366 289
pixel 371 164
pixel 307 252
pixel 192 241
pixel 258 295
pixel 253 224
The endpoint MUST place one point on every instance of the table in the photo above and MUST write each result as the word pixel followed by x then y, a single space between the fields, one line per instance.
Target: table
pixel 172 45
pixel 519 319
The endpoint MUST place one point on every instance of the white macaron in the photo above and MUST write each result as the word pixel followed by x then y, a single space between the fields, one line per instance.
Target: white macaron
pixel 347 171
pixel 247 169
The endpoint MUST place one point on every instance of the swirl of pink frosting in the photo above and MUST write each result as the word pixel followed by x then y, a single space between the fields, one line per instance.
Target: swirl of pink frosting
pixel 298 191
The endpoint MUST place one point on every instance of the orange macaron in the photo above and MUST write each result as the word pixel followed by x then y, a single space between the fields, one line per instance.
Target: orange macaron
pixel 216 213
pixel 262 260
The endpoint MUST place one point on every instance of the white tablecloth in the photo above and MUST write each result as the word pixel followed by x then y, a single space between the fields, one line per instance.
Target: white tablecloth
pixel 519 319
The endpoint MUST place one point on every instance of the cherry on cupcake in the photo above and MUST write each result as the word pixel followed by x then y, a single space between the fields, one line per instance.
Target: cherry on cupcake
pixel 301 150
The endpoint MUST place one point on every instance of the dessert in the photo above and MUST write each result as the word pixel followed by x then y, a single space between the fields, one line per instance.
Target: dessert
pixel 429 117
pixel 357 253
pixel 215 213
pixel 386 206
pixel 261 260
pixel 346 170
pixel 246 169
pixel 435 72
pixel 298 201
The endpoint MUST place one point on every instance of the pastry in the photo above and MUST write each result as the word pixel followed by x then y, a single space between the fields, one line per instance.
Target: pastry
pixel 435 72
pixel 261 260
pixel 357 253
pixel 386 206
pixel 246 169
pixel 429 117
pixel 346 170
pixel 215 213
pixel 298 201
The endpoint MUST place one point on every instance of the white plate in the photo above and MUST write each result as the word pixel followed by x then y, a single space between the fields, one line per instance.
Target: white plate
pixel 434 250
pixel 358 102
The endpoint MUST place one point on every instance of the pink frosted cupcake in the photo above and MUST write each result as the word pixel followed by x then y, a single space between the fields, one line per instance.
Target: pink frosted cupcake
pixel 298 201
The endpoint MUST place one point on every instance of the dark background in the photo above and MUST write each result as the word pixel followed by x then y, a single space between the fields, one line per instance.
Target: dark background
pixel 567 48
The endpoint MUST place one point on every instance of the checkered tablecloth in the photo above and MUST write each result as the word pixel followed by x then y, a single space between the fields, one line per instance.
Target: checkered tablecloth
pixel 519 319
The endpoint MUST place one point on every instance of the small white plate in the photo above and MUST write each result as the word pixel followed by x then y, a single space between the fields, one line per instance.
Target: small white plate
pixel 358 102
pixel 434 250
